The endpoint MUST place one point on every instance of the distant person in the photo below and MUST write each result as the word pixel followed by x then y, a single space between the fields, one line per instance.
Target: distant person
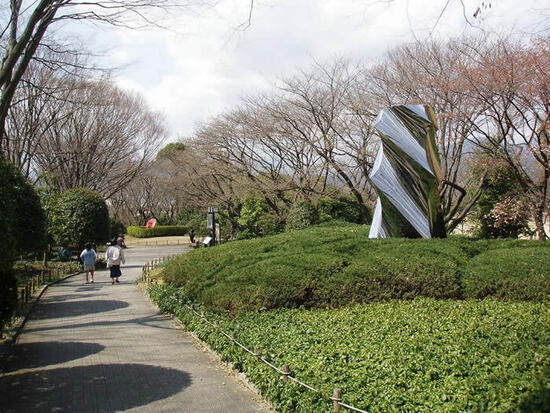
pixel 192 236
pixel 88 257
pixel 114 256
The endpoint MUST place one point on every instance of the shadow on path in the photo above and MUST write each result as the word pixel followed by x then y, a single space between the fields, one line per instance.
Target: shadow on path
pixel 32 355
pixel 75 308
pixel 102 387
pixel 70 297
pixel 92 287
pixel 150 321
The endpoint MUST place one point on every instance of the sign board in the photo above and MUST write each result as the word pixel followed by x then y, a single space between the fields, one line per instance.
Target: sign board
pixel 207 241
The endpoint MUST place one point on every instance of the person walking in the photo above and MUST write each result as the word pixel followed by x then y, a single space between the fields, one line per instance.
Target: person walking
pixel 88 257
pixel 114 257
pixel 192 238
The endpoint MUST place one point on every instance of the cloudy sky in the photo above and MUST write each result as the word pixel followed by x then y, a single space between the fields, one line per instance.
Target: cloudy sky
pixel 207 60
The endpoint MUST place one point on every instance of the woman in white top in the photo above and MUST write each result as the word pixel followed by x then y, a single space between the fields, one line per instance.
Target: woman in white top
pixel 114 256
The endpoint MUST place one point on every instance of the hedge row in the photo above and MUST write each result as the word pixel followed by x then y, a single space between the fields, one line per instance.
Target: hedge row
pixel 419 355
pixel 159 231
pixel 519 273
pixel 337 264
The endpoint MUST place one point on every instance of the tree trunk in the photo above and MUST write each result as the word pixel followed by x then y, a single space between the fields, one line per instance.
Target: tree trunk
pixel 539 224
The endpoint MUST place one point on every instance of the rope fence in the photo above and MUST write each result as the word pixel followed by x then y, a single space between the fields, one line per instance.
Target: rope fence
pixel 336 398
pixel 27 291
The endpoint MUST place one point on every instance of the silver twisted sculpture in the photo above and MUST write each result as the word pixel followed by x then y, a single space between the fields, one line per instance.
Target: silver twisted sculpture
pixel 407 175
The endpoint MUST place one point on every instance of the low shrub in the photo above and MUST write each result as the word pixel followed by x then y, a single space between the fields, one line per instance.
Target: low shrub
pixel 336 264
pixel 519 272
pixel 332 264
pixel 418 355
pixel 301 215
pixel 158 231
pixel 25 269
pixel 343 208
pixel 100 263
pixel 118 229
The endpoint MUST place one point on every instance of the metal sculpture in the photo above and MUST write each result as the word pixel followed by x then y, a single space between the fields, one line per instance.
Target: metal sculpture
pixel 407 175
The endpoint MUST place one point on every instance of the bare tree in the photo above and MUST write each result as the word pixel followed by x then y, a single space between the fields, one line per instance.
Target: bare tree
pixel 296 144
pixel 150 194
pixel 100 139
pixel 25 27
pixel 321 109
pixel 510 81
pixel 42 92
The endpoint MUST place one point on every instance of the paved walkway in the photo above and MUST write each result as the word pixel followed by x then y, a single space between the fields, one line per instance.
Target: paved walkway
pixel 103 347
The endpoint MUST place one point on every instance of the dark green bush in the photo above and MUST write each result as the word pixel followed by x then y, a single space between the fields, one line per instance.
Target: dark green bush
pixel 22 218
pixel 79 216
pixel 517 272
pixel 8 294
pixel 22 223
pixel 8 207
pixel 158 231
pixel 301 215
pixel 117 228
pixel 343 208
pixel 193 218
pixel 271 224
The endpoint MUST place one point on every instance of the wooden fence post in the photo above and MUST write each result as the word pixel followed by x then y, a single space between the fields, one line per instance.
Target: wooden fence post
pixel 286 372
pixel 336 399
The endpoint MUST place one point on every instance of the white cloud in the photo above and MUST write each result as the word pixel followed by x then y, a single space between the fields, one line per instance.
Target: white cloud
pixel 204 66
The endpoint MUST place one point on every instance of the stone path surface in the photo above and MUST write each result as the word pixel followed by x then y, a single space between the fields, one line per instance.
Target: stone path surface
pixel 102 348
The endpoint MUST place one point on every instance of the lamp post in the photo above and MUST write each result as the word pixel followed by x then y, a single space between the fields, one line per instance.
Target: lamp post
pixel 211 223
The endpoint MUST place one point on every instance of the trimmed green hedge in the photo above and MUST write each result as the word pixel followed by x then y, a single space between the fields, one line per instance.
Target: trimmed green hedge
pixel 337 264
pixel 518 273
pixel 158 231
